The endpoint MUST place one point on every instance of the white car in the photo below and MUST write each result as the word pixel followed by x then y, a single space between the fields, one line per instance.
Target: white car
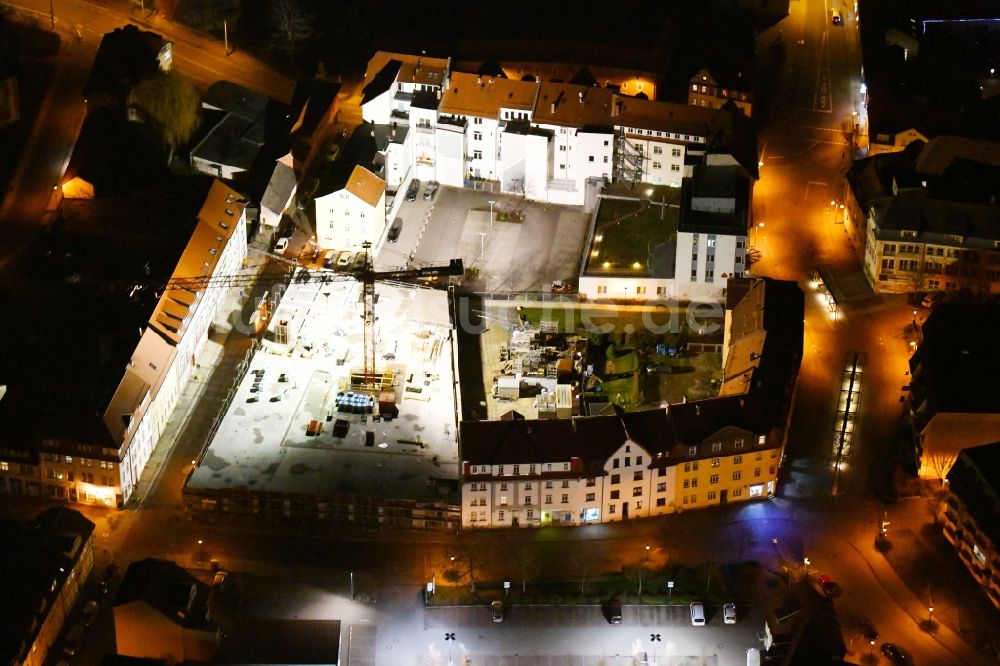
pixel 729 613
pixel 281 245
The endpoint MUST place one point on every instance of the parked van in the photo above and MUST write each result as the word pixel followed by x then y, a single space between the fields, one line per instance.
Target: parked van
pixel 753 657
pixel 698 614
pixel 413 190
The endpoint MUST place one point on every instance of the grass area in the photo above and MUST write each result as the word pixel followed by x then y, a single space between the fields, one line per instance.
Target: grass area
pixel 712 583
pixel 626 229
pixel 623 391
pixel 582 319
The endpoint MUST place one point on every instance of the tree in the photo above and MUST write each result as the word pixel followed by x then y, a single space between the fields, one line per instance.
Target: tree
pixel 171 103
pixel 292 24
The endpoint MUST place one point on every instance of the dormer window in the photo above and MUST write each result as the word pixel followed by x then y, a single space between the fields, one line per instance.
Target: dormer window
pixel 212 250
pixel 223 225
pixel 229 212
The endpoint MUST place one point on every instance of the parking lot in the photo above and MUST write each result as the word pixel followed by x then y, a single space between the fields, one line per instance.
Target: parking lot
pixel 519 255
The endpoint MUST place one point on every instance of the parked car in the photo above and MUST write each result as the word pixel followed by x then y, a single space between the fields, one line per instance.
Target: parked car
pixel 413 190
pixel 729 613
pixel 496 608
pixel 931 299
pixel 395 230
pixel 561 287
pixel 432 188
pixel 329 259
pixel 894 653
pixel 835 17
pixel 613 611
pixel 868 631
pixel 281 245
pixel 89 613
pixel 698 614
pixel 827 585
pixel 344 259
pixel 219 581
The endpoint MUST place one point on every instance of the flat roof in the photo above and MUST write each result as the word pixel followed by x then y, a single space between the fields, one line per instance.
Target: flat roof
pixel 264 444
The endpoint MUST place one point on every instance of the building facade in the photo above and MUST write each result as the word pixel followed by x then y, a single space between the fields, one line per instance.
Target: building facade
pixel 102 465
pixel 517 472
pixel 970 517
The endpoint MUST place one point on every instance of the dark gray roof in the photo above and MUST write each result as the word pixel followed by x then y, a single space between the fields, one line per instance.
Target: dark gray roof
pixel 731 183
pixel 169 589
pixel 123 58
pixel 425 99
pixel 233 142
pixel 955 367
pixel 280 641
pixel 937 221
pixel 234 98
pixel 35 559
pixel 359 149
pixel 381 81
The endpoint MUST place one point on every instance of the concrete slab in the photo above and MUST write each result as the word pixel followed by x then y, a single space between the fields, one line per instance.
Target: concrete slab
pixel 265 440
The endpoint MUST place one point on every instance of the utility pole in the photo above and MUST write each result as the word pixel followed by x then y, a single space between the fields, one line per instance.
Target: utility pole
pixel 225 34
pixel 52 13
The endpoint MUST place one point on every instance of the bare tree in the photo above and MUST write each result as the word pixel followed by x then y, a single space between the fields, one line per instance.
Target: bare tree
pixel 293 25
pixel 940 462
pixel 171 102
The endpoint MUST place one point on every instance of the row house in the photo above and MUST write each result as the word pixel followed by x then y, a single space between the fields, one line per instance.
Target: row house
pixel 543 139
pixel 101 462
pixel 970 517
pixel 518 472
pixel 599 469
pixel 707 91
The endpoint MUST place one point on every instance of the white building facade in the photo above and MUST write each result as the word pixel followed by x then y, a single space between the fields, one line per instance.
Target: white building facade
pixel 352 214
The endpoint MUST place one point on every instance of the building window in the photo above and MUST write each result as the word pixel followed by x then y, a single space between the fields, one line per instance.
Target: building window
pixel 661 501
pixel 694 466
pixel 548 499
pixel 637 476
pixel 713 479
pixel 615 478
pixel 661 487
pixel 503 500
pixel 527 486
pixel 565 484
pixel 694 483
pixel 737 476
pixel 675 167
pixel 737 460
pixel 590 497
pixel 527 499
pixel 675 152
pixel 638 459
pixel 614 463
pixel 711 495
pixel 517 469
pixel 503 486
pixel 565 498
pixel 657 165
pixel 614 494
pixel 611 508
pixel 657 150
pixel 590 158
pixel 477 154
pixel 687 483
pixel 531 513
pixel 499 515
pixel 602 289
pixel 715 462
pixel 591 483
pixel 692 450
pixel 477 136
pixel 637 491
pixel 756 471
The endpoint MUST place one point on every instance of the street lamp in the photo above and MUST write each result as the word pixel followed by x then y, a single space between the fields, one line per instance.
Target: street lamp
pixel 449 638
pixel 756 231
pixel 654 639
pixel 670 589
pixel 482 245
pixel 647 552
pixel 491 215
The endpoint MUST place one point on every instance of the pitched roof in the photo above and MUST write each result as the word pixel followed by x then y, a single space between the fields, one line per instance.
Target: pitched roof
pixel 123 58
pixel 572 105
pixel 365 185
pixel 381 82
pixel 168 588
pixel 484 96
pixel 217 219
pixel 941 151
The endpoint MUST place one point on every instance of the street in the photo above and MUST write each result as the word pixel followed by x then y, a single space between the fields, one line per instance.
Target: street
pixel 315 572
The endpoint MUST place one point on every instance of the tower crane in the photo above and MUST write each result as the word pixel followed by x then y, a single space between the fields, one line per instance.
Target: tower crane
pixel 366 274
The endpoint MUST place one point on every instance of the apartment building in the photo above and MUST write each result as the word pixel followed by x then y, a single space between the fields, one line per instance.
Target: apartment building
pixel 100 462
pixel 46 564
pixel 708 92
pixel 517 472
pixel 953 402
pixel 971 520
pixel 543 139
pixel 926 219
pixel 690 251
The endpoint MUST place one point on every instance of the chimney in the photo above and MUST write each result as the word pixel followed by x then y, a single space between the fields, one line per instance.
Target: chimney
pixel 581 97
pixel 697 410
pixel 479 80
pixel 553 108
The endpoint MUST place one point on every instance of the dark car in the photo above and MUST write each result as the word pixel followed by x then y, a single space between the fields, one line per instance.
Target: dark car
pixel 828 586
pixel 868 631
pixel 395 230
pixel 89 613
pixel 613 611
pixel 894 653
pixel 496 610
pixel 413 190
pixel 432 187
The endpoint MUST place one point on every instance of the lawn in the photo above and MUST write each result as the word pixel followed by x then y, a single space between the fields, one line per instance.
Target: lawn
pixel 626 229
